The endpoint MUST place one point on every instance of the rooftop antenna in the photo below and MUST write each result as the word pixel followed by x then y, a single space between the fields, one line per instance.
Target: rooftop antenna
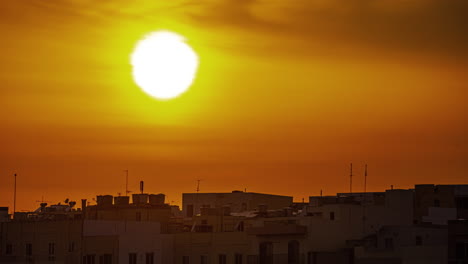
pixel 364 217
pixel 365 179
pixel 142 185
pixel 126 183
pixel 14 198
pixel 42 200
pixel 196 198
pixel 321 192
pixel 351 179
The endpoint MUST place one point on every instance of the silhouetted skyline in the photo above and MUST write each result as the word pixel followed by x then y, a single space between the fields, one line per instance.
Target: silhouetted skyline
pixel 286 95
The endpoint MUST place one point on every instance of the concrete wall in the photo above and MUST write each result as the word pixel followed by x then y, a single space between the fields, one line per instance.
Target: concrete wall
pixel 129 213
pixel 195 245
pixel 432 248
pixel 130 236
pixel 39 234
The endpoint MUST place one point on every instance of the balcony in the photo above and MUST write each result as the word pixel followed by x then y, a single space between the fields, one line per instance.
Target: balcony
pixel 277 230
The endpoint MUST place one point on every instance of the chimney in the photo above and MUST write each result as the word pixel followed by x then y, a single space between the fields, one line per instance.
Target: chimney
pixel 83 205
pixel 157 199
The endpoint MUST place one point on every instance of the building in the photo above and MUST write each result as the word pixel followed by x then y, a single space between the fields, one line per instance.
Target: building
pixel 237 201
pixel 112 231
pixel 260 236
pixel 440 203
pixel 362 214
pixel 405 245
pixel 41 241
pixel 244 228
pixel 4 216
pixel 144 207
pixel 457 241
pixel 119 241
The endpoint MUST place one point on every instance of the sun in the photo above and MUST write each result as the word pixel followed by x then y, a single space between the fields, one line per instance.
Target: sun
pixel 164 65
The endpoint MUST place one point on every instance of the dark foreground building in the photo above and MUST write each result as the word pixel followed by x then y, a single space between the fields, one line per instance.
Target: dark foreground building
pixel 395 226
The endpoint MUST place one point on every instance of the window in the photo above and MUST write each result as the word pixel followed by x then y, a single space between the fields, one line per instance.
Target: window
pixel 88 259
pixel 461 250
pixel 462 202
pixel 419 240
pixel 190 210
pixel 9 249
pixel 185 260
pixel 203 259
pixel 252 259
pixel 71 246
pixel 132 258
pixel 293 252
pixel 311 257
pixel 240 226
pixel 436 203
pixel 332 216
pixel 51 249
pixel 138 216
pixel 266 253
pixel 105 259
pixel 28 249
pixel 150 258
pixel 222 259
pixel 389 243
pixel 238 258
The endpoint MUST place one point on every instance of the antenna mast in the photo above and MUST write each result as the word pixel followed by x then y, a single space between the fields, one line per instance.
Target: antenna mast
pixel 351 179
pixel 14 199
pixel 198 186
pixel 126 183
pixel 365 179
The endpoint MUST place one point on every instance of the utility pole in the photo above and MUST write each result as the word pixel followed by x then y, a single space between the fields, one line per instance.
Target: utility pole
pixel 365 179
pixel 364 203
pixel 351 179
pixel 126 183
pixel 14 199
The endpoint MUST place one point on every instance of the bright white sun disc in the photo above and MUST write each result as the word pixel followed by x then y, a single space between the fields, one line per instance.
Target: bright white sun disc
pixel 164 66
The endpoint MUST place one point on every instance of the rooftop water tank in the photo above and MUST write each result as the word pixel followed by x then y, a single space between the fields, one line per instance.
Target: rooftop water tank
pixel 104 200
pixel 157 199
pixel 140 198
pixel 121 200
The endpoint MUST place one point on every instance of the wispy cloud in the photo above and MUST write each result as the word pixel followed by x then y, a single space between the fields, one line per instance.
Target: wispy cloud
pixel 431 26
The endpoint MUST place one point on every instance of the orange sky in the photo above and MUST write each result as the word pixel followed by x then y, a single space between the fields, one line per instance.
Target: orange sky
pixel 288 93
